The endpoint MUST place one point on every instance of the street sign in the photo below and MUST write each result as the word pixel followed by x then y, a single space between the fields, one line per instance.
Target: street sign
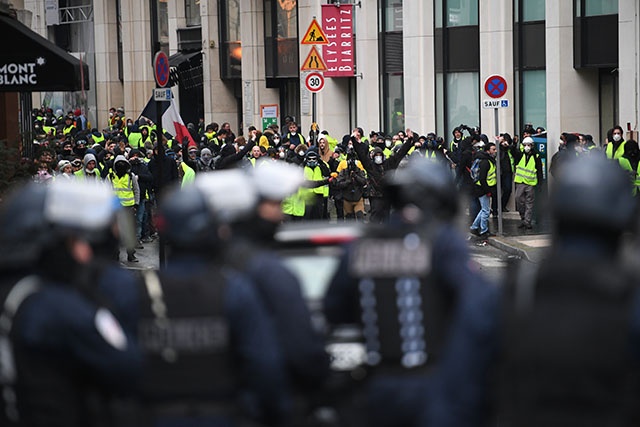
pixel 314 35
pixel 495 103
pixel 161 68
pixel 495 86
pixel 161 94
pixel 314 61
pixel 314 82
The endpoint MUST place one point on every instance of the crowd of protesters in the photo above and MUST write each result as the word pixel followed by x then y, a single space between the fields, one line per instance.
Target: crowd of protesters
pixel 345 176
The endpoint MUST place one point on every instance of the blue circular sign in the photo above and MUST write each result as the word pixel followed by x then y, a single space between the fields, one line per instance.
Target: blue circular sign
pixel 161 68
pixel 495 86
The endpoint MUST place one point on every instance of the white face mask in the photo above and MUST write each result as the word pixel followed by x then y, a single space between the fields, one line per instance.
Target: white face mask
pixel 387 143
pixel 527 148
pixel 293 133
pixel 378 160
pixel 301 153
pixel 276 140
pixel 617 137
pixel 282 155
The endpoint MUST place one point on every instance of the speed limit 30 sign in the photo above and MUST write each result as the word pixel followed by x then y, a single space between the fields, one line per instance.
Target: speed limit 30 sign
pixel 314 82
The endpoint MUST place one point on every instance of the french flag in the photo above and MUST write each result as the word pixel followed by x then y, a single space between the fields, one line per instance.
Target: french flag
pixel 171 120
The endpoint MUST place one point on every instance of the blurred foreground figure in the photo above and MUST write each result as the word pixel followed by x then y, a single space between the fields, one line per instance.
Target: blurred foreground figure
pixel 63 354
pixel 571 326
pixel 210 348
pixel 404 284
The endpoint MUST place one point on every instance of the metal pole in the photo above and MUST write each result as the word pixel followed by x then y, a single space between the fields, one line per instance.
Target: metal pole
pixel 313 116
pixel 160 160
pixel 498 178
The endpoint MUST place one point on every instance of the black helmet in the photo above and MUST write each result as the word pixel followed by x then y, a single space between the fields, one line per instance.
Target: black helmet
pixel 579 200
pixel 427 185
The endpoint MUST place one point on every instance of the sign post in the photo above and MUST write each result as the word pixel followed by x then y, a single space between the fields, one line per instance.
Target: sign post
pixel 495 86
pixel 161 73
pixel 314 82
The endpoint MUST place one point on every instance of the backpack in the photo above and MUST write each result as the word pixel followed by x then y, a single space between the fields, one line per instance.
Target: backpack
pixel 474 172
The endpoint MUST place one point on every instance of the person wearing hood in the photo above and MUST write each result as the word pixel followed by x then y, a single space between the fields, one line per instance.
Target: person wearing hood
pixel 230 156
pixel 205 163
pixel 485 189
pixel 126 188
pixel 89 168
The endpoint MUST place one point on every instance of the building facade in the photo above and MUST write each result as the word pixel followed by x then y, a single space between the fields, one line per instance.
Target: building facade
pixel 570 65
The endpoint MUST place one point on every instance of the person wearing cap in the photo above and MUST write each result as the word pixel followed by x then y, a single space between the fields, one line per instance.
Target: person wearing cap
pixel 69 128
pixel 65 170
pixel 69 346
pixel 528 174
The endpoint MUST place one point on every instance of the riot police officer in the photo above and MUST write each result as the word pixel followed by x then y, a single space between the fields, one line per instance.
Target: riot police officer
pixel 203 330
pixel 64 354
pixel 402 284
pixel 571 326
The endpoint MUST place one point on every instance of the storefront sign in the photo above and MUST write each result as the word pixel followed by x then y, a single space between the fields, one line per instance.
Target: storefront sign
pixel 339 53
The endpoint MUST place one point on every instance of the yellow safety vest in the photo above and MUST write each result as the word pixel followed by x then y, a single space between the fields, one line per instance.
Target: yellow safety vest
pixel 315 174
pixel 123 187
pixel 491 175
pixel 526 171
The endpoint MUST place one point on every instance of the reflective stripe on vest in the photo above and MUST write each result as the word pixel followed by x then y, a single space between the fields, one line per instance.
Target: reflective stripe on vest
pixel 526 171
pixel 123 188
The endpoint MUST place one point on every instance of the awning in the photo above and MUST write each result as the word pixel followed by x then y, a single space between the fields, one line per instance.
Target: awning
pixel 186 70
pixel 31 63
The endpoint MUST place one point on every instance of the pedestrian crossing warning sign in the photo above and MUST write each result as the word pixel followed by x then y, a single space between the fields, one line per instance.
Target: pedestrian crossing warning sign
pixel 314 35
pixel 314 61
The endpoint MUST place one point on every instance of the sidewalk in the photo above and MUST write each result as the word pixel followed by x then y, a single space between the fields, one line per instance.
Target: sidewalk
pixel 148 257
pixel 528 244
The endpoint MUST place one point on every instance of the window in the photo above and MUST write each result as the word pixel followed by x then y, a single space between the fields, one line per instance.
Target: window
pixel 192 13
pixel 600 7
pixel 457 54
pixel 462 12
pixel 391 66
pixel 534 97
pixel 532 10
pixel 281 38
pixel 463 100
pixel 230 41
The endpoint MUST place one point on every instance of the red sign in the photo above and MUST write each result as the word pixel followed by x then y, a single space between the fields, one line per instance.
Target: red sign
pixel 314 82
pixel 495 86
pixel 339 54
pixel 161 68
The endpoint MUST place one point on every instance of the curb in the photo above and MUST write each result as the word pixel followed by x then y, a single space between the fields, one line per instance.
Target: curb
pixel 512 250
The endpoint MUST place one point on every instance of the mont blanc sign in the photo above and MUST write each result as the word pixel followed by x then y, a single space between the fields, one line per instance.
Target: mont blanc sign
pixel 31 63
pixel 20 74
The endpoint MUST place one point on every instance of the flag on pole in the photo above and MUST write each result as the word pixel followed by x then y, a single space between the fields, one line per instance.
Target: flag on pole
pixel 171 121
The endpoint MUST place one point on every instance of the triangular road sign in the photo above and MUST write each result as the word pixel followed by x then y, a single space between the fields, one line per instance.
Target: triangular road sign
pixel 314 61
pixel 314 35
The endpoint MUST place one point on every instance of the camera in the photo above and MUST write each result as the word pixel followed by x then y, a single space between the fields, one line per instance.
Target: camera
pixel 472 130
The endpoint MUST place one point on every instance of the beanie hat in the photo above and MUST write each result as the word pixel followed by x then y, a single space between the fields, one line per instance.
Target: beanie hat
pixel 205 152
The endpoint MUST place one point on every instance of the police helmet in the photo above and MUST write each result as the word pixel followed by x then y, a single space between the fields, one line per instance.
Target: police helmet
pixel 276 180
pixel 425 184
pixel 603 204
pixel 34 217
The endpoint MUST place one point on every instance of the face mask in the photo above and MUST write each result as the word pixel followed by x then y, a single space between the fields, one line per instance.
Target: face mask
pixel 301 153
pixel 378 160
pixel 281 155
pixel 293 133
pixel 312 163
pixel 276 140
pixel 527 148
pixel 617 137
pixel 388 143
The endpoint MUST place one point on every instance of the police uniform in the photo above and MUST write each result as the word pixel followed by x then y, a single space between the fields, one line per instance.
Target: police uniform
pixel 205 334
